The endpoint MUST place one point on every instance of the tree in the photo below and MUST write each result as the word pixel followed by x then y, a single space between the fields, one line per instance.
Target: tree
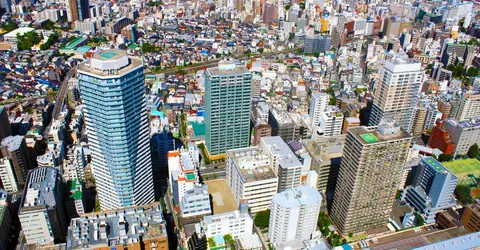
pixel 473 151
pixel 299 51
pixel 445 158
pixel 9 26
pixel 316 54
pixel 472 72
pixel 262 219
pixel 350 234
pixel 228 239
pixel 27 40
pixel 333 101
pixel 147 47
pixel 287 7
pixel 218 55
pixel 419 221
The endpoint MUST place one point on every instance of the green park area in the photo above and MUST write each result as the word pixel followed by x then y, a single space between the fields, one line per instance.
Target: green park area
pixel 463 168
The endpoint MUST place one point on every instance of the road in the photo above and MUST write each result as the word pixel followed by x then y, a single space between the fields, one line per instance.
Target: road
pixel 60 99
pixel 209 171
pixel 215 62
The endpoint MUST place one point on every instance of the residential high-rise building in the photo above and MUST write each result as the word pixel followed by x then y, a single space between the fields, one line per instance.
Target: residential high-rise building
pixel 370 171
pixel 42 212
pixel 331 122
pixel 441 139
pixel 7 176
pixel 283 162
pixel 160 144
pixel 77 10
pixel 464 134
pixel 270 14
pixel 432 189
pixel 291 215
pixel 251 178
pixel 282 124
pixel 469 107
pixel 113 90
pixel 182 169
pixel 317 43
pixel 228 96
pixel 396 94
pixel 5 128
pixel 318 104
pixel 14 153
pixel 326 155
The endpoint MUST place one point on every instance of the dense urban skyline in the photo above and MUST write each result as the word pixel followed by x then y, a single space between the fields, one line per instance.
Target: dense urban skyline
pixel 239 124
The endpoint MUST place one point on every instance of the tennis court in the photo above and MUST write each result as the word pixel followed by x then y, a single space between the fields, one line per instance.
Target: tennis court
pixel 464 167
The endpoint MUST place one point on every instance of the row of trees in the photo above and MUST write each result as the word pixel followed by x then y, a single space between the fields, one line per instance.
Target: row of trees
pixel 473 152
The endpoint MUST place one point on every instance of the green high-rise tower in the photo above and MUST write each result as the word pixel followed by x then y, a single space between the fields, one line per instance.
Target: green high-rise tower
pixel 228 101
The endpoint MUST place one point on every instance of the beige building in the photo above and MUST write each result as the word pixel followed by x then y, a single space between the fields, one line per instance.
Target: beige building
pixel 396 94
pixel 469 107
pixel 349 122
pixel 370 171
pixel 326 153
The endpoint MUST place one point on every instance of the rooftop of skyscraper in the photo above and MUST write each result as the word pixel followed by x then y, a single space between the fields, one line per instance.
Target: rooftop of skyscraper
pixel 384 133
pixel 227 69
pixel 117 227
pixel 326 148
pixel 252 164
pixel 110 63
pixel 12 142
pixel 39 190
pixel 298 196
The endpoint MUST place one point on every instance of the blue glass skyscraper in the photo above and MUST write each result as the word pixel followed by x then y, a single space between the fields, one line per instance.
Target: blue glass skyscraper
pixel 113 91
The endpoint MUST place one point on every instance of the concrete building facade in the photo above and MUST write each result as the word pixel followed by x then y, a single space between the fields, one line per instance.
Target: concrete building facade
pixel 370 171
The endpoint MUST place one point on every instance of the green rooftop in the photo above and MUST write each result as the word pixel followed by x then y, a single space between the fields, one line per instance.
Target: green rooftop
pixel 74 43
pixel 369 137
pixel 132 46
pixel 190 176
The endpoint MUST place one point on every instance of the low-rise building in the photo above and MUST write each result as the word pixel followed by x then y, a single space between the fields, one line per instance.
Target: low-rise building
pixel 471 218
pixel 141 227
pixel 235 223
pixel 195 204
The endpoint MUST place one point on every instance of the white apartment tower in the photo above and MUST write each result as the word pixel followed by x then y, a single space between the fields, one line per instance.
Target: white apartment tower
pixel 331 122
pixel 283 161
pixel 293 214
pixel 318 103
pixel 396 94
pixel 251 178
